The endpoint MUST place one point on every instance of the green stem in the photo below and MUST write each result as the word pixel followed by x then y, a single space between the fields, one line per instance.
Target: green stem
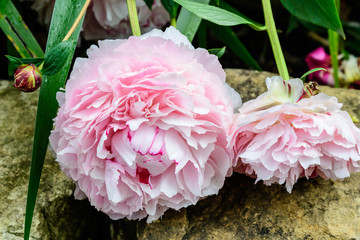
pixel 173 22
pixel 274 40
pixel 134 20
pixel 334 50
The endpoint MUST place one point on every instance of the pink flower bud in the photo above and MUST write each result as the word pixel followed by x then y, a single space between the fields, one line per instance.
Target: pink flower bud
pixel 27 77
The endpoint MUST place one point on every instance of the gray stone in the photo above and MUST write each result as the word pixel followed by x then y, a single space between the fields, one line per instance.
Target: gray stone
pixel 316 209
pixel 57 215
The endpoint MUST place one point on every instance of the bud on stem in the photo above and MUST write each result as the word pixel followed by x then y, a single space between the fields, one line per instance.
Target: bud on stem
pixel 27 77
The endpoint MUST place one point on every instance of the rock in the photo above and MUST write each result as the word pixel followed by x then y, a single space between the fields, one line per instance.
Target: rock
pixel 57 215
pixel 316 209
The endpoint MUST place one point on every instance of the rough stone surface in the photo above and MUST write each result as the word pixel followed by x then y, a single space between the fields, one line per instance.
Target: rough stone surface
pixel 57 215
pixel 316 209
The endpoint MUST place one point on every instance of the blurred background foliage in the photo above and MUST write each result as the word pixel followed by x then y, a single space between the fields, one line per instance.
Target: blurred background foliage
pixel 297 37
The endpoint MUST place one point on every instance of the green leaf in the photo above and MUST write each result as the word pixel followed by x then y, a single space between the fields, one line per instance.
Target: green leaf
pixel 13 59
pixel 188 23
pixel 149 3
pixel 13 37
pixel 293 24
pixel 57 57
pixel 229 38
pixel 318 12
pixel 36 61
pixel 219 52
pixel 64 15
pixel 171 7
pixel 311 71
pixel 15 62
pixel 17 31
pixel 217 15
pixel 224 5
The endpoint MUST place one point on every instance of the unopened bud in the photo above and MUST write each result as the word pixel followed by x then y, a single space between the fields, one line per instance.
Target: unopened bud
pixel 27 77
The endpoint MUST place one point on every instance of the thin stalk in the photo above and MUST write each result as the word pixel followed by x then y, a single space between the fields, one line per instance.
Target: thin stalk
pixel 173 22
pixel 334 50
pixel 77 20
pixel 274 40
pixel 134 20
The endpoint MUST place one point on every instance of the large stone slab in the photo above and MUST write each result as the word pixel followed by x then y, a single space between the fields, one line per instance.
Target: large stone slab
pixel 316 209
pixel 57 215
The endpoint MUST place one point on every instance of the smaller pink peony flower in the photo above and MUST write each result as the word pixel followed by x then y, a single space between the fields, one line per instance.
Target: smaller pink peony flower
pixel 320 59
pixel 284 134
pixel 142 125
pixel 109 19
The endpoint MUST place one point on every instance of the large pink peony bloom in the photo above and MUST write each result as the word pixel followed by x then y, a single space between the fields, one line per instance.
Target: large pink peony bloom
pixel 281 136
pixel 106 19
pixel 142 125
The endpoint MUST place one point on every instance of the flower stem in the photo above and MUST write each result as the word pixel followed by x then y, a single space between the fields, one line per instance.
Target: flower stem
pixel 134 20
pixel 173 22
pixel 77 20
pixel 274 40
pixel 334 50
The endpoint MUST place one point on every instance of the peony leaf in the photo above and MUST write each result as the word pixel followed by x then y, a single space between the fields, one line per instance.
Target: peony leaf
pixel 57 57
pixel 14 59
pixel 36 61
pixel 218 15
pixel 17 32
pixel 229 38
pixel 188 23
pixel 64 15
pixel 15 62
pixel 219 52
pixel 149 3
pixel 170 6
pixel 311 71
pixel 320 12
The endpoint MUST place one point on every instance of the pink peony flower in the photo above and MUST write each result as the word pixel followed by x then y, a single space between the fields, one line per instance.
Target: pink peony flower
pixel 142 125
pixel 320 59
pixel 109 18
pixel 283 135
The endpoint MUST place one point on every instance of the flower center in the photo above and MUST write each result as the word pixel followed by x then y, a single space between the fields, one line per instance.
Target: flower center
pixel 147 140
pixel 310 89
pixel 143 175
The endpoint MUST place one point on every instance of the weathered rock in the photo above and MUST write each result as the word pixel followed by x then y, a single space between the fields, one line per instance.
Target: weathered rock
pixel 57 215
pixel 316 209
